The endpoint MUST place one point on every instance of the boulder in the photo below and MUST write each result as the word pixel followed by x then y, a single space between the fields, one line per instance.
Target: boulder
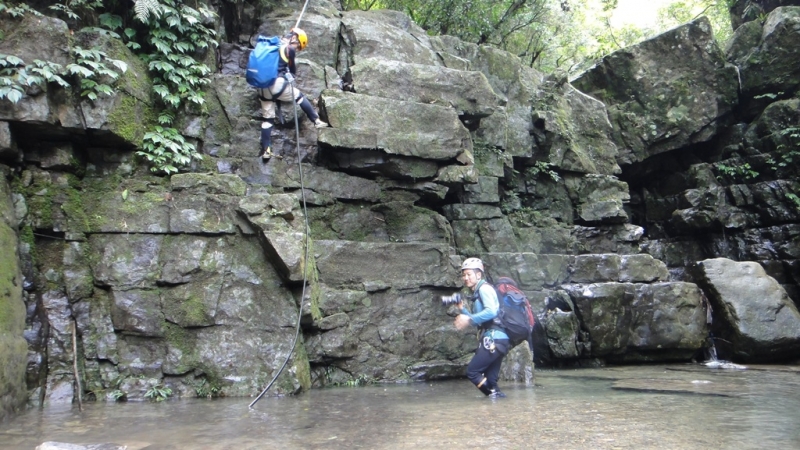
pixel 398 127
pixel 467 92
pixel 598 198
pixel 664 93
pixel 641 322
pixel 765 56
pixel 511 127
pixel 385 34
pixel 572 130
pixel 755 320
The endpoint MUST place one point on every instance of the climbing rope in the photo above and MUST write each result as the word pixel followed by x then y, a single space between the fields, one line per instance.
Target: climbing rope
pixel 306 242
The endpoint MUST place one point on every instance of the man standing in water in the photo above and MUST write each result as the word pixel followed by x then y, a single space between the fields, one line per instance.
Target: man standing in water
pixel 493 343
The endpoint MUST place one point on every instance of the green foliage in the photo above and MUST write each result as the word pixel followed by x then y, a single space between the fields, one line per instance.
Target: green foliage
pixel 90 67
pixel 71 8
pixel 510 202
pixel 117 395
pixel 145 8
pixel 736 170
pixel 17 10
pixel 788 151
pixel 792 197
pixel 175 36
pixel 541 167
pixel 167 149
pixel 15 75
pixel 208 389
pixel 682 11
pixel 158 393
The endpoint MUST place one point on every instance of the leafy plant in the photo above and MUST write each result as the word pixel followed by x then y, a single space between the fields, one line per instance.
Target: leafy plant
pixel 91 68
pixel 17 10
pixel 166 149
pixel 208 390
pixel 742 171
pixel 510 202
pixel 795 199
pixel 542 167
pixel 175 34
pixel 15 75
pixel 158 393
pixel 70 8
pixel 117 395
pixel 361 380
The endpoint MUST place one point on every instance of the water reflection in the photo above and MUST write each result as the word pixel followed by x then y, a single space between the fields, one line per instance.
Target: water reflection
pixel 682 406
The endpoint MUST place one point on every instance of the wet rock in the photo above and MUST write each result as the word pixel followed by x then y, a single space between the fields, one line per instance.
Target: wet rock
pixel 487 235
pixel 13 345
pixel 126 261
pixel 509 128
pixel 562 333
pixel 138 311
pixel 754 316
pixel 352 263
pixel 518 365
pixel 486 190
pixel 392 166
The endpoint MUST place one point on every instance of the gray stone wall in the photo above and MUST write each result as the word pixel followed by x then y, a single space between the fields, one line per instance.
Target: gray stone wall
pixel 13 348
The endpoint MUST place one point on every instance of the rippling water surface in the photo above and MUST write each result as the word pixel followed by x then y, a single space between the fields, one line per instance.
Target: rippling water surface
pixel 665 407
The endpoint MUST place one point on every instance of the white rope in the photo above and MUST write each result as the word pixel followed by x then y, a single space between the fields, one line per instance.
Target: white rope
pixel 307 242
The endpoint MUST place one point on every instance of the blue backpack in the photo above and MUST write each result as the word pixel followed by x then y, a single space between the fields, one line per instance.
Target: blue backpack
pixel 262 67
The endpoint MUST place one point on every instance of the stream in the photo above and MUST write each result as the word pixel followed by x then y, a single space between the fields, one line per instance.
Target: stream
pixel 684 406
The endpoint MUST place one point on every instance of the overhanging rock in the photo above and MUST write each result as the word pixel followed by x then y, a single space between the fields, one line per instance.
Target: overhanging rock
pixel 665 93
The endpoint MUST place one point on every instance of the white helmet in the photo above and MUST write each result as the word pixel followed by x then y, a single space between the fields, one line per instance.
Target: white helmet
pixel 472 263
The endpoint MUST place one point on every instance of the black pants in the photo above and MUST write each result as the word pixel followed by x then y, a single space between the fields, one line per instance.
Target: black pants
pixel 484 368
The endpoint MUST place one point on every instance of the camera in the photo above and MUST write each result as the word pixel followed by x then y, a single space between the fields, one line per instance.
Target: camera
pixel 448 300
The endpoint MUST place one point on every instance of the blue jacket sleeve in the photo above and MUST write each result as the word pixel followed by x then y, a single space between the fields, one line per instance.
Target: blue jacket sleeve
pixel 487 308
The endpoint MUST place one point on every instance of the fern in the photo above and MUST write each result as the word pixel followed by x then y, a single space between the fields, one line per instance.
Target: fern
pixel 144 8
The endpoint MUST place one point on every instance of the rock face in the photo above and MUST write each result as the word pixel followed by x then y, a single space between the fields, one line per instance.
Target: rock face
pixel 665 93
pixel 596 195
pixel 759 320
pixel 12 309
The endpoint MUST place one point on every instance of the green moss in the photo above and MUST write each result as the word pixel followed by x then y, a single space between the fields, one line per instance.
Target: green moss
pixel 302 367
pixel 312 274
pixel 77 219
pixel 183 340
pixel 131 118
